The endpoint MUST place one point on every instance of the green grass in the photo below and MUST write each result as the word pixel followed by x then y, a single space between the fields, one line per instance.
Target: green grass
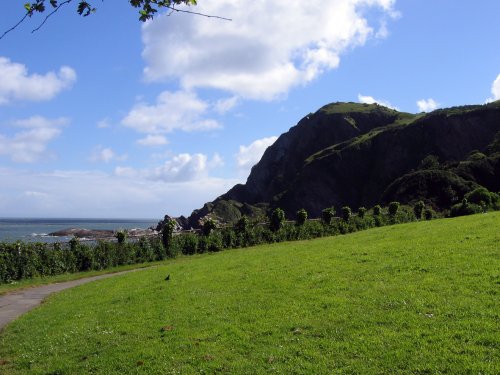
pixel 417 298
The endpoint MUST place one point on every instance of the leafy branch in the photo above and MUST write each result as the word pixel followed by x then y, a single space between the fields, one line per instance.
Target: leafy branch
pixel 148 9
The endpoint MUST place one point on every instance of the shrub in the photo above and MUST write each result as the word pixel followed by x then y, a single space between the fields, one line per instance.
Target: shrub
pixel 428 214
pixel 144 251
pixel 377 210
pixel 167 235
pixel 346 213
pixel 277 220
pixel 214 242
pixel 241 225
pixel 229 238
pixel 209 225
pixel 189 243
pixel 121 236
pixel 480 196
pixel 465 208
pixel 327 215
pixel 418 209
pixel 393 208
pixel 361 212
pixel 301 217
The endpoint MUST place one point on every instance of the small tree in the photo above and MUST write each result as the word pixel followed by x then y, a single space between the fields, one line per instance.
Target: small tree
pixel 277 220
pixel 393 209
pixel 167 234
pixel 241 225
pixel 209 225
pixel 479 196
pixel 327 215
pixel 121 236
pixel 418 209
pixel 301 217
pixel 73 244
pixel 346 213
pixel 377 210
pixel 361 212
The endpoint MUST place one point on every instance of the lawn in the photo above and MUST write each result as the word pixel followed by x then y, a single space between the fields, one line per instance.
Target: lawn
pixel 418 298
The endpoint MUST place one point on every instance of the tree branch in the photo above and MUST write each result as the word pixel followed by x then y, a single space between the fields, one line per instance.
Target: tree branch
pixel 197 14
pixel 31 8
pixel 16 25
pixel 50 14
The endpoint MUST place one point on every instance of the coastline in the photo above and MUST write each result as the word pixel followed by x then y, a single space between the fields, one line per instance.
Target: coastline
pixel 53 230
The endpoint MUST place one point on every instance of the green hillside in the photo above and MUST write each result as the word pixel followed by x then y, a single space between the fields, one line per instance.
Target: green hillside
pixel 418 298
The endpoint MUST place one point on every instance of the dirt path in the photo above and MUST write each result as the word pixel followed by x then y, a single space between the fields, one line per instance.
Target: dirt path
pixel 14 304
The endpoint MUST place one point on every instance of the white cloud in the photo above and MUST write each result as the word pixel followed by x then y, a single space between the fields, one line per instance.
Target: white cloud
pixel 153 140
pixel 495 89
pixel 371 100
pixel 224 105
pixel 179 110
pixel 17 84
pixel 179 168
pixel 30 144
pixel 268 48
pixel 103 124
pixel 105 154
pixel 82 194
pixel 427 105
pixel 250 155
pixel 185 167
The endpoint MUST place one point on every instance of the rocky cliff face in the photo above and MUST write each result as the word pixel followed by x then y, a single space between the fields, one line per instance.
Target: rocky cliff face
pixel 360 155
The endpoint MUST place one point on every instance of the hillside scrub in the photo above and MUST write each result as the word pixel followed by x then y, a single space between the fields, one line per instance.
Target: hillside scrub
pixel 419 298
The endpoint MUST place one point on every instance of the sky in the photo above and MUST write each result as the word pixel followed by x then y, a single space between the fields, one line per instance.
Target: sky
pixel 108 117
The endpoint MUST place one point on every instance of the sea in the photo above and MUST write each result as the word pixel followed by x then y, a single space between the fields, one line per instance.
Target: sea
pixel 37 230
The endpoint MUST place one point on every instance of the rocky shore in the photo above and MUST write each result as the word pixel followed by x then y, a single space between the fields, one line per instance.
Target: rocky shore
pixel 100 234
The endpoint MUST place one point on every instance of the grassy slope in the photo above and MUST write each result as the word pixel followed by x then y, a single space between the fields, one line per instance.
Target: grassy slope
pixel 416 298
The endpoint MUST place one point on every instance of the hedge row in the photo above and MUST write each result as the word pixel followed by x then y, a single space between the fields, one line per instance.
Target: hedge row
pixel 27 260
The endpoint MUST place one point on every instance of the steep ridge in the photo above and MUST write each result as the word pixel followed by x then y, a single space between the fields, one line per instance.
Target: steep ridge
pixel 360 155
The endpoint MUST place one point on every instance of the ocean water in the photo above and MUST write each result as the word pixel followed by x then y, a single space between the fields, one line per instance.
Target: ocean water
pixel 37 230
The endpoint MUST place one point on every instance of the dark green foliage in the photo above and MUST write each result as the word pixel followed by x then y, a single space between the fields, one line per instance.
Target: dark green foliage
pixel 428 214
pixel 145 251
pixel 277 220
pixel 465 208
pixel 327 215
pixel 189 243
pixel 377 210
pixel 346 213
pixel 430 162
pixel 301 217
pixel 480 196
pixel 208 226
pixel 418 209
pixel 241 225
pixel 167 235
pixel 148 8
pixel 361 212
pixel 393 208
pixel 121 236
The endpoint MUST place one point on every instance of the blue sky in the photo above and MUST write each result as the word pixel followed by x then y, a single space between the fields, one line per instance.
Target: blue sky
pixel 104 116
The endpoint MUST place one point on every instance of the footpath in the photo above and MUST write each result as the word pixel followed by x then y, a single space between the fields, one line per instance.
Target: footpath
pixel 14 304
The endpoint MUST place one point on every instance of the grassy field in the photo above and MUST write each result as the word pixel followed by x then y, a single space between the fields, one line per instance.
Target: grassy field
pixel 418 298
